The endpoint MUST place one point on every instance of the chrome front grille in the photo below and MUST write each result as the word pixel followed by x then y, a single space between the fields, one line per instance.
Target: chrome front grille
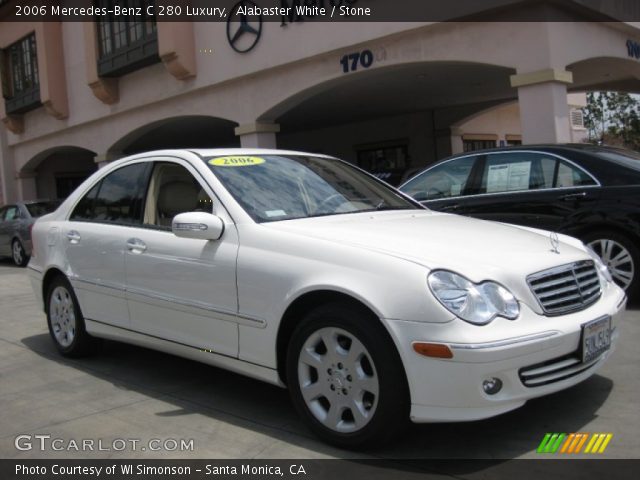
pixel 566 288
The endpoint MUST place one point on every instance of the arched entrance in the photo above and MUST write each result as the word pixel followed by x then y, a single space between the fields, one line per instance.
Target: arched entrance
pixel 192 131
pixel 606 73
pixel 389 120
pixel 55 172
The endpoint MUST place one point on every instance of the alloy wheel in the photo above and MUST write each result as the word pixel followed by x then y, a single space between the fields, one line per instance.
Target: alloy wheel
pixel 63 316
pixel 18 253
pixel 338 380
pixel 617 258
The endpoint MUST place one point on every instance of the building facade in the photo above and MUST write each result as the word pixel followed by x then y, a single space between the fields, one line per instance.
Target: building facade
pixel 390 97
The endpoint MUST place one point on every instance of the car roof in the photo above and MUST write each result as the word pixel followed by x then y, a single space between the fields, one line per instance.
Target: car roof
pixel 29 202
pixel 586 157
pixel 216 152
pixel 578 147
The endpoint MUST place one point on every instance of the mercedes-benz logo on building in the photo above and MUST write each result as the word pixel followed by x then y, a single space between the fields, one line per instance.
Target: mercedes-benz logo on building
pixel 243 31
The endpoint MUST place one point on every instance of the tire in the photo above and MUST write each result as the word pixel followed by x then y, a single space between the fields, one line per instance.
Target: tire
pixel 358 397
pixel 20 257
pixel 620 254
pixel 65 321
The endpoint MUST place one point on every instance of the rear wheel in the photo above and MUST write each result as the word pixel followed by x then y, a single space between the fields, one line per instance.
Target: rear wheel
pixel 346 378
pixel 20 257
pixel 620 255
pixel 65 321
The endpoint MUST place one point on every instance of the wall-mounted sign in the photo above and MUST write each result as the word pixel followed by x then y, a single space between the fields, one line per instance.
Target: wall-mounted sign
pixel 244 24
pixel 352 61
pixel 243 28
pixel 633 49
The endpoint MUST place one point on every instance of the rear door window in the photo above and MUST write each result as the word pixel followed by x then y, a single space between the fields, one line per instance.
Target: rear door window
pixel 527 171
pixel 571 176
pixel 509 172
pixel 11 213
pixel 117 198
pixel 41 208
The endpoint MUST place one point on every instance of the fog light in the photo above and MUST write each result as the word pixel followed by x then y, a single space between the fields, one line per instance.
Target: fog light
pixel 492 386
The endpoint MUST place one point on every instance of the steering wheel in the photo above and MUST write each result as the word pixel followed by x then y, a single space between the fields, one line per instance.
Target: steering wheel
pixel 434 192
pixel 328 200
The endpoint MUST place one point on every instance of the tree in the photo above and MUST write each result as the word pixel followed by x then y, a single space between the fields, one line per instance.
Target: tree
pixel 613 118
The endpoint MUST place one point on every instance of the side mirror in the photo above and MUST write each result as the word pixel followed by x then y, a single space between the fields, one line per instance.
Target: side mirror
pixel 200 225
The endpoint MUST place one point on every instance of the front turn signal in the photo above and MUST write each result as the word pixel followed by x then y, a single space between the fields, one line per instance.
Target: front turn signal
pixel 434 350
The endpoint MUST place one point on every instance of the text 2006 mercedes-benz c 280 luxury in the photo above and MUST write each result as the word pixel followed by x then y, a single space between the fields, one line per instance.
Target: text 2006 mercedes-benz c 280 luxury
pixel 303 271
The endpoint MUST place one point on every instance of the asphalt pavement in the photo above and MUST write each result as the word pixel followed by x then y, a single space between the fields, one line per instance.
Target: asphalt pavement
pixel 130 401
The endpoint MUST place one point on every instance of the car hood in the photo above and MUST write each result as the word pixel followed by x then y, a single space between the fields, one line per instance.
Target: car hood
pixel 476 248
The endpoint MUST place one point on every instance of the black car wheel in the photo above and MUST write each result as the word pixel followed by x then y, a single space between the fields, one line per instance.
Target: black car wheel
pixel 620 255
pixel 20 257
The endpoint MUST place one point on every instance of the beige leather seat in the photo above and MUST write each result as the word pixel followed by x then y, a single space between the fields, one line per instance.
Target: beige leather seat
pixel 174 198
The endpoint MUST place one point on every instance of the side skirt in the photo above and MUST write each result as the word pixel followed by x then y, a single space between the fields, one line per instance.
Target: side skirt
pixel 102 330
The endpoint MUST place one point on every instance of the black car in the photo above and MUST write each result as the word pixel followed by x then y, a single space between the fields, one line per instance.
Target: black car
pixel 586 191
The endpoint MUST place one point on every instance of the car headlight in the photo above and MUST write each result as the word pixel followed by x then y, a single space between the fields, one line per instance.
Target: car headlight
pixel 602 268
pixel 474 303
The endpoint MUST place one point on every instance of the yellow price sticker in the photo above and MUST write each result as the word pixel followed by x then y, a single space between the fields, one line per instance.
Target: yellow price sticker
pixel 236 161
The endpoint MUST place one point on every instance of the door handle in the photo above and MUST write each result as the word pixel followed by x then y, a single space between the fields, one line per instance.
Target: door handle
pixel 73 236
pixel 573 196
pixel 135 245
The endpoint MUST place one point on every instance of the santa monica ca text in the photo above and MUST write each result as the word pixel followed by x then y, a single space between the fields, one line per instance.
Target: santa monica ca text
pixel 142 469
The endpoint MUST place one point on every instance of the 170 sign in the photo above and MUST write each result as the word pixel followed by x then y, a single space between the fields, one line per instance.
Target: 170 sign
pixel 352 61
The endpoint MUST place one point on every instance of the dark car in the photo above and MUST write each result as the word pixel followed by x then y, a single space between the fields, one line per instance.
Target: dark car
pixel 15 228
pixel 586 191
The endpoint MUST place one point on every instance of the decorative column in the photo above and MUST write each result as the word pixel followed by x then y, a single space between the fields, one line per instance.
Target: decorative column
pixel 544 113
pixel 258 135
pixel 26 183
pixel 457 144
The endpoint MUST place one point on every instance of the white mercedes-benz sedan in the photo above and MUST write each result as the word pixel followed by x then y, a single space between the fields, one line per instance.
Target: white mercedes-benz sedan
pixel 304 271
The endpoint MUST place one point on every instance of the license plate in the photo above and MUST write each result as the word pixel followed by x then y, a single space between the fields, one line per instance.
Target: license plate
pixel 596 338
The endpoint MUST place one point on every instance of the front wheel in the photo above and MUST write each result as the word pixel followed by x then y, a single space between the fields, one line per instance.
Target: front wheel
pixel 65 321
pixel 346 378
pixel 20 257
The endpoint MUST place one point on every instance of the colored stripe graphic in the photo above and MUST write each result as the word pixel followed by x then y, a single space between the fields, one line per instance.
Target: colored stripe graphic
pixel 574 442
pixel 551 442
pixel 598 443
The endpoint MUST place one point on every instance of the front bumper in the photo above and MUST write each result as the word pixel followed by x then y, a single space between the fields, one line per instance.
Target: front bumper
pixel 445 390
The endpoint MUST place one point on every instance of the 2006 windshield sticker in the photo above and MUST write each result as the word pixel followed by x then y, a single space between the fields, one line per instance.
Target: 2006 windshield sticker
pixel 236 161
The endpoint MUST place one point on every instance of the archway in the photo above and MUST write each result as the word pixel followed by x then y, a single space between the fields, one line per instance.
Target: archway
pixel 389 120
pixel 606 73
pixel 192 131
pixel 54 173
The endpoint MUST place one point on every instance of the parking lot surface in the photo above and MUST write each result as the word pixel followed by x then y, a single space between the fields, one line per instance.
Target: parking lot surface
pixel 132 395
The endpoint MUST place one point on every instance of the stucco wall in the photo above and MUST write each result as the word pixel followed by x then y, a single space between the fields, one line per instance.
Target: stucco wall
pixel 290 64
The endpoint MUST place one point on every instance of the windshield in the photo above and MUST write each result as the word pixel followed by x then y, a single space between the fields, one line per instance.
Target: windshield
pixel 41 208
pixel 285 187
